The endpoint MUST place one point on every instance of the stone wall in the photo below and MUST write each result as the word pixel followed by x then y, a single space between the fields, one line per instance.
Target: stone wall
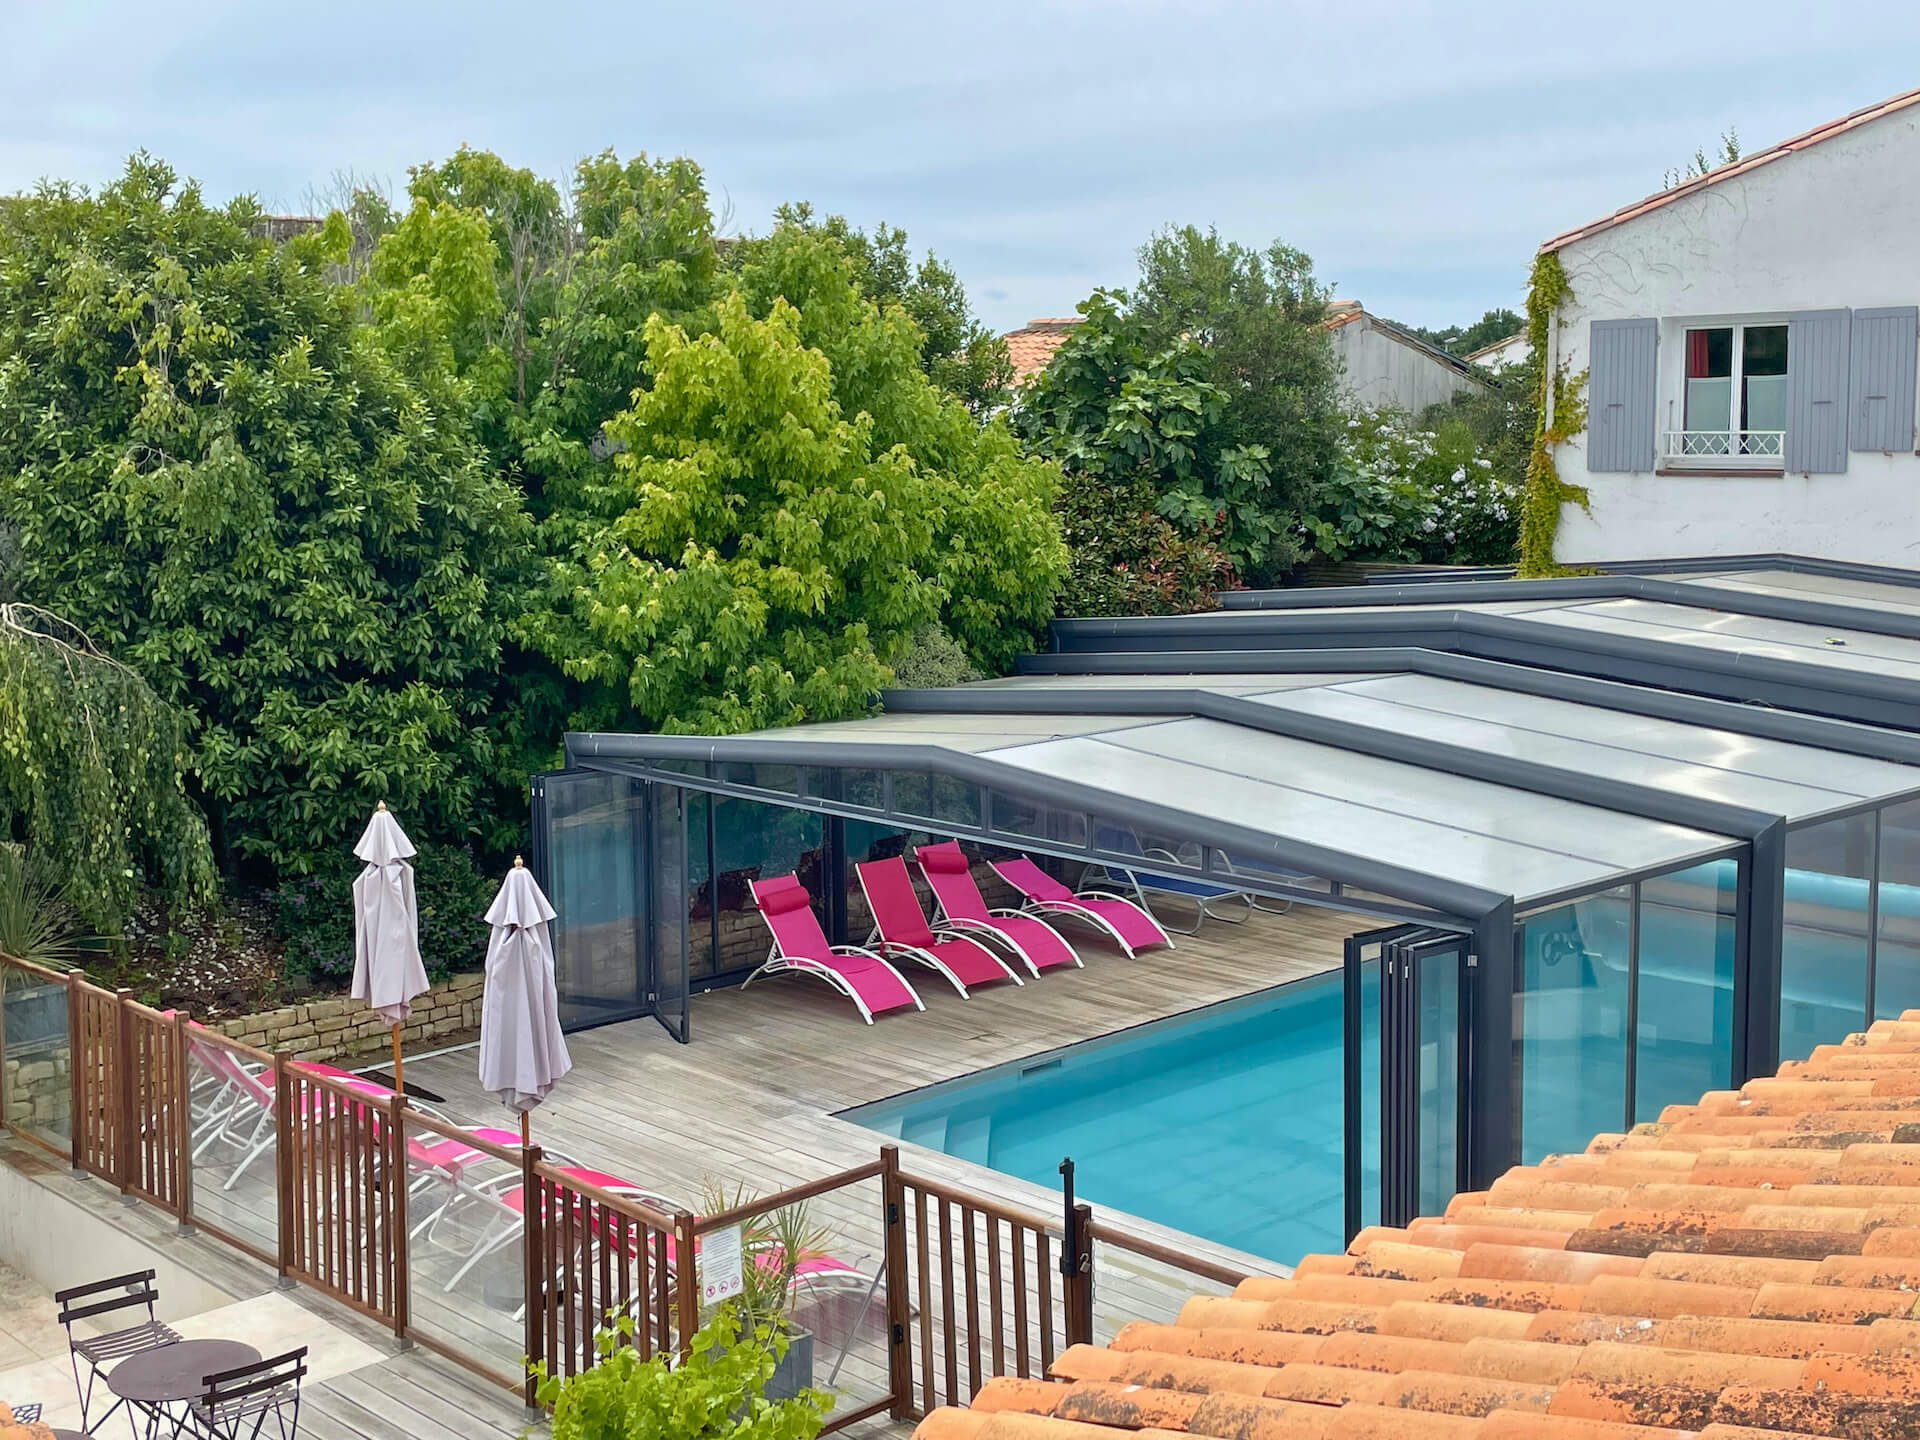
pixel 327 1029
pixel 38 1093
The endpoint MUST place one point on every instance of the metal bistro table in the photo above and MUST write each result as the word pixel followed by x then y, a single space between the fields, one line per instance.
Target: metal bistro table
pixel 168 1375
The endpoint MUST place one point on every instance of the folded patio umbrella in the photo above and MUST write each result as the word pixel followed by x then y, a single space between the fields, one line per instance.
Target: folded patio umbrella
pixel 387 972
pixel 522 1053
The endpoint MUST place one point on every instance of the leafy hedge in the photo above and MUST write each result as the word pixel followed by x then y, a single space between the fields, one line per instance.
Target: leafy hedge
pixel 314 914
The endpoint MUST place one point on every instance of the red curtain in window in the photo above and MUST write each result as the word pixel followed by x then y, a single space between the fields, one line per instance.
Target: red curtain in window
pixel 1696 354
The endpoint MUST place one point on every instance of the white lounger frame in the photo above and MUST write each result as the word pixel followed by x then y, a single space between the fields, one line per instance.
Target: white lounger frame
pixel 778 964
pixel 893 949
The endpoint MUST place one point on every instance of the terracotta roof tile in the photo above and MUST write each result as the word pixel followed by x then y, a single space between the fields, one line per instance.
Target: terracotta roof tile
pixel 1032 345
pixel 1746 1267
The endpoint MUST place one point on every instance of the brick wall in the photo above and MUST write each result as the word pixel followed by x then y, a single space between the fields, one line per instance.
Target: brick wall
pixel 327 1029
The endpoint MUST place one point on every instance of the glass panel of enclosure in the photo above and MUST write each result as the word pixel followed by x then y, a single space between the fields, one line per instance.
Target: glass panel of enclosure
pixel 754 841
pixel 1625 1004
pixel 1437 978
pixel 1571 1021
pixel 669 903
pixel 593 855
pixel 1826 933
pixel 1684 981
pixel 1896 955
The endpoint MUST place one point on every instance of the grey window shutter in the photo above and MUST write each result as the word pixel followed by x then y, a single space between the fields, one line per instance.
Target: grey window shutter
pixel 1880 415
pixel 1817 363
pixel 1620 396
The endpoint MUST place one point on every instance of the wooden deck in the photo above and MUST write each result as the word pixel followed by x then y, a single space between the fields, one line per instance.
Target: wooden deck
pixel 750 1102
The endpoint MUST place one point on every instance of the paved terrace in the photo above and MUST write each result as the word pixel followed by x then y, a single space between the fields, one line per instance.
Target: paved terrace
pixel 359 1386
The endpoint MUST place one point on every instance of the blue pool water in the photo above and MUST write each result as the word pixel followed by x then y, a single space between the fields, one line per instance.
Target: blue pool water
pixel 1224 1122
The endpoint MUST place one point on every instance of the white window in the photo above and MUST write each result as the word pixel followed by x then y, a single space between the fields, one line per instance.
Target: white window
pixel 1734 398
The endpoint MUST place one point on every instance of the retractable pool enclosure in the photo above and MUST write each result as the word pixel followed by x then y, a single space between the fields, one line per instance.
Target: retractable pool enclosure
pixel 1584 892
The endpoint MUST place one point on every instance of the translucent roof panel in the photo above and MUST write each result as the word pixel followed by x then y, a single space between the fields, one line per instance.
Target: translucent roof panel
pixel 1683 626
pixel 1797 781
pixel 1826 589
pixel 1467 831
pixel 1775 776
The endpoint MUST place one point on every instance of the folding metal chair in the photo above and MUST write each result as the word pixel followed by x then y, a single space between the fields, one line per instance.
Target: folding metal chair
pixel 238 1402
pixel 101 1352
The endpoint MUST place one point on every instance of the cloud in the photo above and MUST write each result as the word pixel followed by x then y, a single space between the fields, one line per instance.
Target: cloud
pixel 1418 151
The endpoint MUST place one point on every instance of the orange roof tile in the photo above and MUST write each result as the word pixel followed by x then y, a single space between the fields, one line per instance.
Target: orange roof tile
pixel 1741 166
pixel 1746 1267
pixel 1033 345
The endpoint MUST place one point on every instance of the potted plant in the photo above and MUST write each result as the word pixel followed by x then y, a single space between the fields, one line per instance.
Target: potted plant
pixel 774 1244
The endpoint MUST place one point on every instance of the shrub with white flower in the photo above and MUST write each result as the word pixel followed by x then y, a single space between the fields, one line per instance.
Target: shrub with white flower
pixel 1404 492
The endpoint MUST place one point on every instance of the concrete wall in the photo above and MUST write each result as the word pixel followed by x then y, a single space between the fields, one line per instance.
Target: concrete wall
pixel 55 1241
pixel 1837 224
pixel 1377 369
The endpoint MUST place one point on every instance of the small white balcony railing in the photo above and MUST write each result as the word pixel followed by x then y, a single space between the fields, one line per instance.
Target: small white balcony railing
pixel 1753 445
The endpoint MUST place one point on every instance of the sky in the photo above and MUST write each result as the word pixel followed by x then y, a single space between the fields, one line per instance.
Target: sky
pixel 1419 152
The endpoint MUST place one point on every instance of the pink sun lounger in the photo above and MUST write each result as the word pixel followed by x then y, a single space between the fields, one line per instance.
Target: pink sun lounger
pixel 800 947
pixel 1125 921
pixel 903 933
pixel 1037 944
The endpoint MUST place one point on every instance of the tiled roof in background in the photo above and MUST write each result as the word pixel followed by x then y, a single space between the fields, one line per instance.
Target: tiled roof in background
pixel 1747 1267
pixel 1033 345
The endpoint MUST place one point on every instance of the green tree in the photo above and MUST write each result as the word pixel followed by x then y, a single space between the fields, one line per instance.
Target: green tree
pixel 959 354
pixel 1494 325
pixel 277 514
pixel 1152 478
pixel 90 777
pixel 543 291
pixel 790 500
pixel 1257 317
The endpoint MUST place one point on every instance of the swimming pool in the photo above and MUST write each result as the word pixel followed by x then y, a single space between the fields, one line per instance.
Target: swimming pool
pixel 1224 1122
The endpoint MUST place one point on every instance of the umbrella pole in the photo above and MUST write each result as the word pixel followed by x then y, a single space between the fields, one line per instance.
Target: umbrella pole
pixel 399 1085
pixel 526 1131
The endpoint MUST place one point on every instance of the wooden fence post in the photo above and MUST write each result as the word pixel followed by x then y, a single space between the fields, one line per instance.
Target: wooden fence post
pixel 284 1140
pixel 76 1085
pixel 1076 1269
pixel 893 1208
pixel 182 1122
pixel 399 1286
pixel 126 1133
pixel 687 1278
pixel 535 1281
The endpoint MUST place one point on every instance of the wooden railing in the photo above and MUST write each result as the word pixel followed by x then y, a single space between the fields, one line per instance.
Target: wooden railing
pixel 959 1287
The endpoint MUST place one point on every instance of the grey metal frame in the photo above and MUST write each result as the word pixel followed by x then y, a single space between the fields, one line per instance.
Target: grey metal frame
pixel 1431 898
pixel 1870 699
pixel 1792 727
pixel 1678 565
pixel 1835 614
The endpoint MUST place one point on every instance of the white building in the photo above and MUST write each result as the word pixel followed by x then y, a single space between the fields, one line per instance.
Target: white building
pixel 1383 364
pixel 1503 354
pixel 1750 340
